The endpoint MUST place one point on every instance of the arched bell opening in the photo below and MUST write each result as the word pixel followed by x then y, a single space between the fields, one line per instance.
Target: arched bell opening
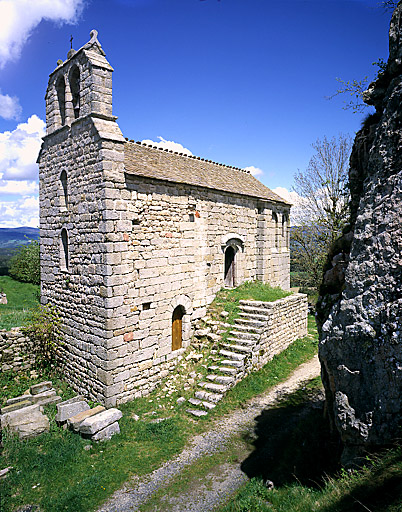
pixel 61 98
pixel 74 79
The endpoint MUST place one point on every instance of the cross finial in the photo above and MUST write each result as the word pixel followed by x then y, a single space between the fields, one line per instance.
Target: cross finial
pixel 71 41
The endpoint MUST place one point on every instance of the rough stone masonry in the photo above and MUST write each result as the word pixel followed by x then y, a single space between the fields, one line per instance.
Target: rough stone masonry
pixel 136 241
pixel 360 308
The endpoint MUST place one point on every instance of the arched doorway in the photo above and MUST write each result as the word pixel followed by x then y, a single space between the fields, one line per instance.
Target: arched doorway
pixel 177 328
pixel 230 267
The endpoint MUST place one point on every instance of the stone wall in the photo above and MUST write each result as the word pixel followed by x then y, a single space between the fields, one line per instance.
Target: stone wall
pixel 15 351
pixel 286 322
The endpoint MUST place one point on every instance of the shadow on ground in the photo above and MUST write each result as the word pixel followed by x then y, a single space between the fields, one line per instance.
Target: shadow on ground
pixel 293 442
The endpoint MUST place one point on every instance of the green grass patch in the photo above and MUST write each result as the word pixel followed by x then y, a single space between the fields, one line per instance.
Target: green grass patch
pixel 21 297
pixel 56 472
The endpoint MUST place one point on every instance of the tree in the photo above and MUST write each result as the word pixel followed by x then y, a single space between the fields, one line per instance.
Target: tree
pixel 323 208
pixel 25 264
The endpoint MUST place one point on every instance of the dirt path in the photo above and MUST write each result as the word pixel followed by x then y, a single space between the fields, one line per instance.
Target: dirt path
pixel 168 488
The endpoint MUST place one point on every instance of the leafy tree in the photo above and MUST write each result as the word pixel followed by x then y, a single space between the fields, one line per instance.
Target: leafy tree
pixel 324 206
pixel 25 264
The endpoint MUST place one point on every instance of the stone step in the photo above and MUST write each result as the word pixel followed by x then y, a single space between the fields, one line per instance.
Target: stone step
pixel 223 369
pixel 255 304
pixel 241 341
pixel 256 310
pixel 220 379
pixel 238 365
pixel 216 388
pixel 253 316
pixel 238 348
pixel 208 397
pixel 249 323
pixel 197 412
pixel 252 332
pixel 232 355
pixel 201 403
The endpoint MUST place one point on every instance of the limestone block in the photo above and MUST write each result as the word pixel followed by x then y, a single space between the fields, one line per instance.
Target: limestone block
pixel 27 422
pixel 75 421
pixel 65 411
pixel 16 406
pixel 106 433
pixel 100 421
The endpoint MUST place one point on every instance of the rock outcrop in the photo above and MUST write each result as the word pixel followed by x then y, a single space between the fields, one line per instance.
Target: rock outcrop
pixel 360 307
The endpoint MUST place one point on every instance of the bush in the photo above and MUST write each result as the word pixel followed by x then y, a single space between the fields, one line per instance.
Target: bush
pixel 25 264
pixel 43 328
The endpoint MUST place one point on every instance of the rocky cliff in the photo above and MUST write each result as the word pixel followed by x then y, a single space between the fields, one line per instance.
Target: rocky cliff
pixel 360 307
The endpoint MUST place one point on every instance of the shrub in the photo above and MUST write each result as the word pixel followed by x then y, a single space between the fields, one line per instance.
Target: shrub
pixel 43 328
pixel 25 264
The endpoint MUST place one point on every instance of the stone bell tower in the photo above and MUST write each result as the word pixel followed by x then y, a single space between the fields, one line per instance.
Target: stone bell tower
pixel 81 156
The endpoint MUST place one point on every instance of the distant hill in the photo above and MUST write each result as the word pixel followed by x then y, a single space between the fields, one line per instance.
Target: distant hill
pixel 14 237
pixel 10 239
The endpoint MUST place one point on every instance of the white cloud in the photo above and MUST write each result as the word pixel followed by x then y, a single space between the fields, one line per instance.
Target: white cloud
pixel 18 18
pixel 10 107
pixel 297 212
pixel 254 171
pixel 14 187
pixel 19 150
pixel 168 144
pixel 22 212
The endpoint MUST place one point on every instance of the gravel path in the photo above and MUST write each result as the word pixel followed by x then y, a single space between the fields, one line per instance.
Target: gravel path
pixel 138 491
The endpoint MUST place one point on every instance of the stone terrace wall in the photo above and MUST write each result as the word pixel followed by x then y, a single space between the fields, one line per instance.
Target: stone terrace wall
pixel 15 351
pixel 286 322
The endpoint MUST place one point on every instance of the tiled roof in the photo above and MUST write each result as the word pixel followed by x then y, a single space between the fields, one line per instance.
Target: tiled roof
pixel 151 162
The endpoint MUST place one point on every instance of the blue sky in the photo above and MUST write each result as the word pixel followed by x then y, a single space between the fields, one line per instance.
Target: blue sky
pixel 242 82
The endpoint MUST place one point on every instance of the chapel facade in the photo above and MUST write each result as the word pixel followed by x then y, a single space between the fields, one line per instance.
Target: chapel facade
pixel 136 241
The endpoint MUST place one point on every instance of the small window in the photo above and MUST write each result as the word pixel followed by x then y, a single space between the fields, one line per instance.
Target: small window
pixel 146 306
pixel 276 227
pixel 61 97
pixel 64 193
pixel 64 250
pixel 177 328
pixel 191 217
pixel 75 90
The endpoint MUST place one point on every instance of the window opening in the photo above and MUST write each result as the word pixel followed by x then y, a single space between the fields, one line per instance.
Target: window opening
pixel 64 195
pixel 275 219
pixel 64 251
pixel 146 306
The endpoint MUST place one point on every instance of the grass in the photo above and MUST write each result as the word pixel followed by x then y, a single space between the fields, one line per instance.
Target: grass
pixel 21 298
pixel 57 472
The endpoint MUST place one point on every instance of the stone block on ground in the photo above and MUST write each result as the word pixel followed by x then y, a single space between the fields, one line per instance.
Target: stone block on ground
pixel 106 433
pixel 16 406
pixel 75 421
pixel 18 399
pixel 68 410
pixel 100 421
pixel 41 387
pixel 27 422
pixel 78 398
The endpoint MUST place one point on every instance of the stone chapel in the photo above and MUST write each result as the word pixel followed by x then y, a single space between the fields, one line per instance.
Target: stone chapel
pixel 135 240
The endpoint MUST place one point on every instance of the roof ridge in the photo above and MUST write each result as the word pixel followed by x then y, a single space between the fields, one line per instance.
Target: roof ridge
pixel 186 156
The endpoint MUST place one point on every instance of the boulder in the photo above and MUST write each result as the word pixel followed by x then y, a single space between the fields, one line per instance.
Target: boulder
pixel 27 422
pixel 100 421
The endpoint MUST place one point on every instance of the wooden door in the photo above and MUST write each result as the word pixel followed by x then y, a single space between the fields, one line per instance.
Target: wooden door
pixel 230 267
pixel 177 328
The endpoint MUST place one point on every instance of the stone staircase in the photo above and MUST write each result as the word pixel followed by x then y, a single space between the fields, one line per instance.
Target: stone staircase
pixel 234 358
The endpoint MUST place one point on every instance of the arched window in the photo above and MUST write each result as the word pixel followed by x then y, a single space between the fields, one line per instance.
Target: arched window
pixel 64 250
pixel 75 90
pixel 230 267
pixel 61 97
pixel 64 192
pixel 275 221
pixel 285 229
pixel 177 327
